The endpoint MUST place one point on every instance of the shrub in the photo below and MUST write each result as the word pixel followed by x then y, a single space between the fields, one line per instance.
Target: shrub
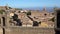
pixel 28 13
pixel 1 11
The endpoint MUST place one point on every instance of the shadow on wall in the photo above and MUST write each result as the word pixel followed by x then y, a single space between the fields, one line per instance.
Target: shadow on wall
pixel 58 22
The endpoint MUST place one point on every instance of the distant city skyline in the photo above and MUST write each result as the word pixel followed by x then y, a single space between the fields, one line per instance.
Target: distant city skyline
pixel 30 3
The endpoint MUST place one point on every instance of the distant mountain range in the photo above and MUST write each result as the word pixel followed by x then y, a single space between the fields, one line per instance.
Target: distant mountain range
pixel 39 8
pixel 50 9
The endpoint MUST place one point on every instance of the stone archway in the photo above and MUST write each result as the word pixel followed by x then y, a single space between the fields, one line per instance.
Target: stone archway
pixel 3 19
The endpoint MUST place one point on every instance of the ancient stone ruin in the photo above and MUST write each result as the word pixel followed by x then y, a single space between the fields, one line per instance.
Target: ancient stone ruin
pixel 13 21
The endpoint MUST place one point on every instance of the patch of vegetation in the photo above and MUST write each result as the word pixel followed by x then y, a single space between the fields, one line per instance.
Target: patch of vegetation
pixel 1 11
pixel 10 8
pixel 28 13
pixel 18 8
pixel 15 17
pixel 35 23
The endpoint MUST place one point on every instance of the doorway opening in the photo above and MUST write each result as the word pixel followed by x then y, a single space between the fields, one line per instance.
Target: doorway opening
pixel 3 19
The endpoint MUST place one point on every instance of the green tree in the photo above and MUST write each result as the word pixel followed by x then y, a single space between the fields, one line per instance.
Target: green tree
pixel 28 13
pixel 10 8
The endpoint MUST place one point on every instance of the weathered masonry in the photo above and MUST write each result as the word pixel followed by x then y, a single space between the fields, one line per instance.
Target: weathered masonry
pixel 13 25
pixel 6 28
pixel 57 21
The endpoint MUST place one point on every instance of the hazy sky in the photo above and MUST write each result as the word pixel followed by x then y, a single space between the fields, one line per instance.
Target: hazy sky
pixel 30 3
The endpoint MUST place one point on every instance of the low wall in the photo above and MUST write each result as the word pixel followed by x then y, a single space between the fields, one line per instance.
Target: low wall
pixel 28 30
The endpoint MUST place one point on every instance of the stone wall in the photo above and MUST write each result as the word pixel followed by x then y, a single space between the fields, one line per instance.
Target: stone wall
pixel 1 31
pixel 29 30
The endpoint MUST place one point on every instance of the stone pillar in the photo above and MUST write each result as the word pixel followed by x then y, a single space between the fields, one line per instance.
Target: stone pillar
pixel 1 22
pixel 7 19
pixel 1 30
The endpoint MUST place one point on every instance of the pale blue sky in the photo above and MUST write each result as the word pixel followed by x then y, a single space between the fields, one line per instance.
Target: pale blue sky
pixel 30 3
